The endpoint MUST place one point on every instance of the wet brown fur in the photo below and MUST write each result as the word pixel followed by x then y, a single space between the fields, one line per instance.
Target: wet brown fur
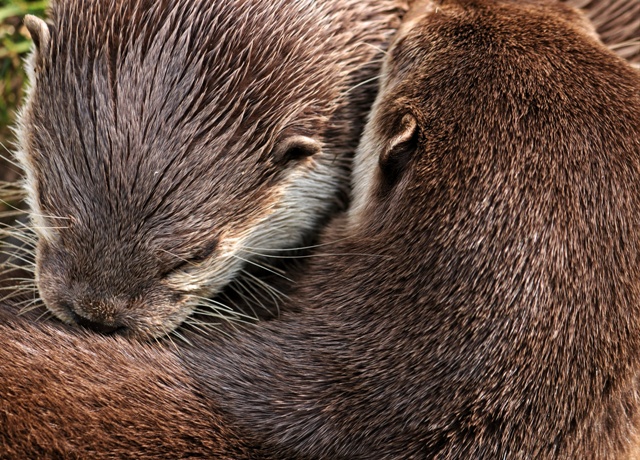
pixel 487 298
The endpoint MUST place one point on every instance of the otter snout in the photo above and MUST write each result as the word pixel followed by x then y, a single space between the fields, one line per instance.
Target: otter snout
pixel 76 304
pixel 104 318
pixel 101 326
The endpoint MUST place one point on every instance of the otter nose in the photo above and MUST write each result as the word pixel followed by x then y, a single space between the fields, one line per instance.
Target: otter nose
pixel 97 321
pixel 98 327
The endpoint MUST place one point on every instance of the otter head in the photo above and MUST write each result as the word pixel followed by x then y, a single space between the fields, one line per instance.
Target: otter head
pixel 166 144
pixel 417 72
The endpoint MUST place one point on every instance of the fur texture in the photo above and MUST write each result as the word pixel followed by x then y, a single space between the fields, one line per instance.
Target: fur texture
pixel 507 226
pixel 139 403
pixel 488 291
pixel 498 315
pixel 165 143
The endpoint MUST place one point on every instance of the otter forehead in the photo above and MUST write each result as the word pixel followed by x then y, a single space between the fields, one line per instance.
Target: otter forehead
pixel 162 99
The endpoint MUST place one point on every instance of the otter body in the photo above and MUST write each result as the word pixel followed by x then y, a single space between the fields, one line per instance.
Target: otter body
pixel 167 145
pixel 481 296
pixel 497 311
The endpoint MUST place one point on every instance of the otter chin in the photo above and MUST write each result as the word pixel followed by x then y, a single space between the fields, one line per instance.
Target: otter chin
pixel 171 147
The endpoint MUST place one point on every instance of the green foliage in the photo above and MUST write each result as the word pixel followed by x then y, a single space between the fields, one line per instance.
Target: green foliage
pixel 14 44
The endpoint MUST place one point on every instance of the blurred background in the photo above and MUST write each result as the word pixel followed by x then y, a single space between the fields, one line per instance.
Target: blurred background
pixel 14 46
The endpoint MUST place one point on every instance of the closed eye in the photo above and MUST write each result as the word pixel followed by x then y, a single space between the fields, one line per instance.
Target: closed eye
pixel 198 256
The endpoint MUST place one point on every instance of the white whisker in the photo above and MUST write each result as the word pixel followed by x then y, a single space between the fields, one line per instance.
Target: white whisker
pixel 262 266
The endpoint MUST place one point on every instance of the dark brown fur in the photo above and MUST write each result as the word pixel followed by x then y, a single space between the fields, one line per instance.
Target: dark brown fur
pixel 487 304
pixel 499 315
pixel 139 403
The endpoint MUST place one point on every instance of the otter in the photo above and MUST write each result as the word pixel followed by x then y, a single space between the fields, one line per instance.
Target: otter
pixel 166 143
pixel 170 220
pixel 493 310
pixel 482 295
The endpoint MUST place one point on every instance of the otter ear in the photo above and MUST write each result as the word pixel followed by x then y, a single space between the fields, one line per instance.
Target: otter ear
pixel 399 149
pixel 40 35
pixel 296 148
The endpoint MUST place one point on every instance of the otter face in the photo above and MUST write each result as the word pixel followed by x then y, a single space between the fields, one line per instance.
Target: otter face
pixel 165 149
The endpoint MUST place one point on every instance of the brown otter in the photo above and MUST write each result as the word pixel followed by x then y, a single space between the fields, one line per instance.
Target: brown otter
pixel 133 401
pixel 487 303
pixel 181 253
pixel 166 143
pixel 504 318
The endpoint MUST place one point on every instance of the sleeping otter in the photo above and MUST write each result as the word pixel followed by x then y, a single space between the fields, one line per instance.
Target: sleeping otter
pixel 165 144
pixel 488 291
pixel 162 245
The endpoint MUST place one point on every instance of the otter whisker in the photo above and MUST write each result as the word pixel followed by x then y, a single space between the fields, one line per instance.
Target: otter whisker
pixel 219 305
pixel 23 247
pixel 45 316
pixel 29 302
pixel 9 205
pixel 15 293
pixel 6 271
pixel 20 284
pixel 29 242
pixel 210 326
pixel 49 228
pixel 377 48
pixel 298 248
pixel 9 160
pixel 13 255
pixel 19 227
pixel 237 288
pixel 10 267
pixel 29 308
pixel 182 259
pixel 197 325
pixel 23 281
pixel 5 214
pixel 257 287
pixel 362 83
pixel 263 266
pixel 352 254
pixel 215 309
pixel 251 289
pixel 49 216
pixel 175 347
pixel 10 184
pixel 15 249
pixel 181 337
pixel 274 293
pixel 241 312
pixel 212 312
pixel 624 44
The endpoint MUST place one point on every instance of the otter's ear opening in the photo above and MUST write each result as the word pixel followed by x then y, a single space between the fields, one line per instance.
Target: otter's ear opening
pixel 40 34
pixel 399 149
pixel 296 148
